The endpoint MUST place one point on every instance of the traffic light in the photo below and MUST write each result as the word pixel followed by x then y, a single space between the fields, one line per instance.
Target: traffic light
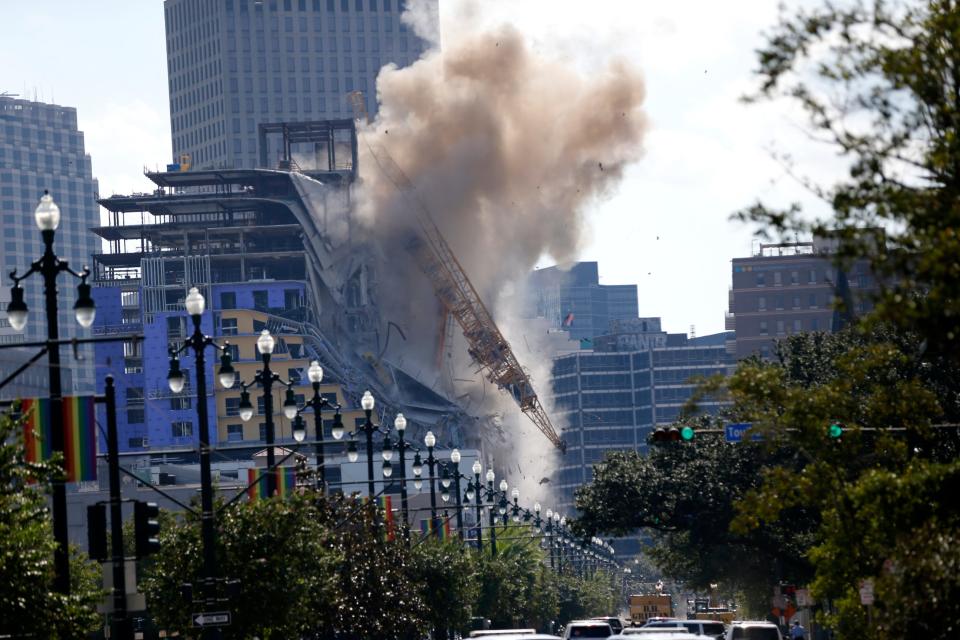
pixel 146 527
pixel 97 532
pixel 835 431
pixel 684 433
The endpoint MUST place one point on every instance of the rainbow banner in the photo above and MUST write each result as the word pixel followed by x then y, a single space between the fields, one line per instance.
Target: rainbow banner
pixel 385 504
pixel 426 527
pixel 284 480
pixel 79 434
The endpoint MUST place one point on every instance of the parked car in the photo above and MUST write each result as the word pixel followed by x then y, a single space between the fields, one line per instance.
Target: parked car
pixel 616 624
pixel 753 630
pixel 664 633
pixel 587 629
pixel 654 632
pixel 496 633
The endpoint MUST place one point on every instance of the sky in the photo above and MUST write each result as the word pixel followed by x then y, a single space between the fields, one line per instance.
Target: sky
pixel 666 228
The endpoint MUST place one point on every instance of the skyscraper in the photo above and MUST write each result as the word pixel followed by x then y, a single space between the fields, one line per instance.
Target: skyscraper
pixel 41 148
pixel 235 64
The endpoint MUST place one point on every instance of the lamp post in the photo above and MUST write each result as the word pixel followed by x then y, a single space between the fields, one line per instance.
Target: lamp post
pixel 502 504
pixel 267 377
pixel 455 460
pixel 477 468
pixel 400 424
pixel 431 440
pixel 318 402
pixel 49 266
pixel 367 403
pixel 549 529
pixel 491 476
pixel 198 342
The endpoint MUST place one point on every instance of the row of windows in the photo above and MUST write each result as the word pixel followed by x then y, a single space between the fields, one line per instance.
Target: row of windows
pixel 242 6
pixel 810 276
pixel 813 301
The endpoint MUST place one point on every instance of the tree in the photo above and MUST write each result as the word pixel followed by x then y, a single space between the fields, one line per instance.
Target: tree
pixel 445 575
pixel 29 605
pixel 276 549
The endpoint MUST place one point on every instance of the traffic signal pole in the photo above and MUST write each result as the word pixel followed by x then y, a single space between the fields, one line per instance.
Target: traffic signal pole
pixel 122 627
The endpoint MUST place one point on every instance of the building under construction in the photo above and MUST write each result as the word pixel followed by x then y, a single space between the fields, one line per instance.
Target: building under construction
pixel 269 249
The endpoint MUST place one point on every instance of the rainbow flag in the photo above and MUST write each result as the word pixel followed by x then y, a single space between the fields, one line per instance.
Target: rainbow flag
pixel 426 527
pixel 284 480
pixel 385 504
pixel 79 435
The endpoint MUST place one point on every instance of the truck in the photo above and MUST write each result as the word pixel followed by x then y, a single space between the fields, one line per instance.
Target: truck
pixel 644 607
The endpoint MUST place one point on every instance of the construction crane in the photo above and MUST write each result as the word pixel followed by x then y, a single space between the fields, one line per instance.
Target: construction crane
pixel 456 293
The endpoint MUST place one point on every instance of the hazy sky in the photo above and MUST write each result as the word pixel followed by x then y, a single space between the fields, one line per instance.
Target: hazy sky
pixel 667 227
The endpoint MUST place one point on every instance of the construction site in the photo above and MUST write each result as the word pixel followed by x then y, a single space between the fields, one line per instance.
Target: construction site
pixel 239 233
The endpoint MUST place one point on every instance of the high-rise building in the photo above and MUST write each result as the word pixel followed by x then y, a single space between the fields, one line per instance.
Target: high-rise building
pixel 236 64
pixel 611 398
pixel 42 149
pixel 791 288
pixel 575 300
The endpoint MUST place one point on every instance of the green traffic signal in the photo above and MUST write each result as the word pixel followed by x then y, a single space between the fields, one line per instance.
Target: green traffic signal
pixel 686 433
pixel 835 430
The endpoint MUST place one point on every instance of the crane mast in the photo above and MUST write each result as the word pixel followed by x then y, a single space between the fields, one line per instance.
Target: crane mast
pixel 456 293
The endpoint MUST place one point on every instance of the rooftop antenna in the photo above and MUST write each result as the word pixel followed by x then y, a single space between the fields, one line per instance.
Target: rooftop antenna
pixel 693 331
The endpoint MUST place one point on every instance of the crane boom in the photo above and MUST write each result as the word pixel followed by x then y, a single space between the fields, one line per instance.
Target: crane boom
pixel 453 288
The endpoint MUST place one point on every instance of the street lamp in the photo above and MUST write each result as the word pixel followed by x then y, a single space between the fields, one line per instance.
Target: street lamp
pixel 318 402
pixel 266 377
pixel 49 266
pixel 491 476
pixel 195 306
pixel 455 461
pixel 478 488
pixel 431 440
pixel 400 424
pixel 417 469
pixel 367 403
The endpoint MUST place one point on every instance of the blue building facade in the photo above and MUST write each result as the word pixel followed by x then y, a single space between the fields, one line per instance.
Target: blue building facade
pixel 42 149
pixel 575 300
pixel 612 400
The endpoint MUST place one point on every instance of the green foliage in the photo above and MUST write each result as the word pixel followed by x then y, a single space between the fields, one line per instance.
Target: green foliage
pixel 28 603
pixel 444 574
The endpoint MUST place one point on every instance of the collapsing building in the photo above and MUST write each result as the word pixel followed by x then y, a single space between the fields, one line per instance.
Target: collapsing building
pixel 275 249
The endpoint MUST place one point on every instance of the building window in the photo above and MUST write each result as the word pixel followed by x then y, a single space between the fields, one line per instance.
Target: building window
pixel 812 276
pixel 295 375
pixel 794 277
pixel 761 280
pixel 777 278
pixel 175 328
pixel 135 416
pixel 814 324
pixel 797 326
pixel 796 302
pixel 228 299
pixel 763 327
pixel 234 433
pixel 180 403
pixel 761 303
pixel 291 298
pixel 260 406
pixel 232 406
pixel 136 443
pixel 779 327
pixel 260 300
pixel 779 302
pixel 234 351
pixel 228 326
pixel 181 429
pixel 263 431
pixel 813 301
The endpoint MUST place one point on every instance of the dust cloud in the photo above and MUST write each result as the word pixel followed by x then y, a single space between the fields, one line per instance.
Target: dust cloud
pixel 508 147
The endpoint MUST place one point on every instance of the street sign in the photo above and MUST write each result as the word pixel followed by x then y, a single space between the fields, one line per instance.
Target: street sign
pixel 803 598
pixel 866 592
pixel 735 430
pixel 212 619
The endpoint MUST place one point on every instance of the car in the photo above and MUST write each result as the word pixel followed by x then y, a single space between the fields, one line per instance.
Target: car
pixel 653 632
pixel 659 634
pixel 483 633
pixel 587 629
pixel 709 628
pixel 753 630
pixel 616 625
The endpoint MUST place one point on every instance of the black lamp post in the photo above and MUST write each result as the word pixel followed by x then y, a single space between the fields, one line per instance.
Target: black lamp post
pixel 455 460
pixel 549 530
pixel 366 403
pixel 400 424
pixel 502 504
pixel 431 440
pixel 318 402
pixel 198 342
pixel 267 377
pixel 491 476
pixel 49 266
pixel 477 487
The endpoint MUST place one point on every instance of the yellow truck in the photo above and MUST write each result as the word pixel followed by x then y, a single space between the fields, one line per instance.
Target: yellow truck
pixel 644 607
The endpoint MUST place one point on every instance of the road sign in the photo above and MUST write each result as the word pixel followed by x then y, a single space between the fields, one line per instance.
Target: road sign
pixel 735 430
pixel 866 592
pixel 211 619
pixel 803 598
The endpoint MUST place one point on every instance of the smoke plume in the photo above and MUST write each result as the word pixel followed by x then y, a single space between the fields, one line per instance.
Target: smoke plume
pixel 508 148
